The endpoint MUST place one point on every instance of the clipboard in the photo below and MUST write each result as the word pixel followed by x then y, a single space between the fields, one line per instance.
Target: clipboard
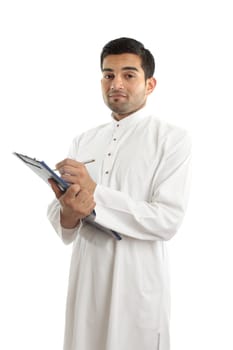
pixel 45 172
pixel 42 170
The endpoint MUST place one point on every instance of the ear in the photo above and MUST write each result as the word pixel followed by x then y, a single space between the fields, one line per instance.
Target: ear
pixel 150 85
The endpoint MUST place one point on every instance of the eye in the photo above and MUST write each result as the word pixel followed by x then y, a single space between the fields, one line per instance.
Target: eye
pixel 108 76
pixel 129 75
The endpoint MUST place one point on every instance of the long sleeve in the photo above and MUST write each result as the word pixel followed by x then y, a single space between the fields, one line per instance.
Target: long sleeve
pixel 160 218
pixel 53 214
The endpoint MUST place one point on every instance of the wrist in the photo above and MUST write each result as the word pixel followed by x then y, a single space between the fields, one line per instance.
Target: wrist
pixel 69 221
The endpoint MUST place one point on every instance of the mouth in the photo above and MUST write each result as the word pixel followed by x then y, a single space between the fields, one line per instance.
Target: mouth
pixel 116 95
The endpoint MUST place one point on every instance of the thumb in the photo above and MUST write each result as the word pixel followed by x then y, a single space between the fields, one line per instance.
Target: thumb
pixel 58 192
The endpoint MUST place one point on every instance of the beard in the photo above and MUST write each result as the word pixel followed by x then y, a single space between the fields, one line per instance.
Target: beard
pixel 118 106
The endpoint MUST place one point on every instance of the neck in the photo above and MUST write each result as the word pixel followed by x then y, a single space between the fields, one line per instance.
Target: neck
pixel 119 116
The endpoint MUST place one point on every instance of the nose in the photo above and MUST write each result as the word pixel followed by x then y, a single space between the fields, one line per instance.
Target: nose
pixel 117 83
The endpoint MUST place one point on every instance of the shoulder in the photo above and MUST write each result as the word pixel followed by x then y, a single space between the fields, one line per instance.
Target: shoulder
pixel 90 133
pixel 168 135
pixel 165 128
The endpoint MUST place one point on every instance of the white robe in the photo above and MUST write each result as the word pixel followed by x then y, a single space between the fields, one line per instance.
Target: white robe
pixel 118 297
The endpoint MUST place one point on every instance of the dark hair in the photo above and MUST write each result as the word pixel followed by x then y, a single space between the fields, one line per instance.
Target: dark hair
pixel 128 45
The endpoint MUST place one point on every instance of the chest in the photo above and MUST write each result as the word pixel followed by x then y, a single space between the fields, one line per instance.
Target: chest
pixel 123 161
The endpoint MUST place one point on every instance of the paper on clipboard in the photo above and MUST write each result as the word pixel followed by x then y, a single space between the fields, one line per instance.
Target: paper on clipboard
pixel 42 170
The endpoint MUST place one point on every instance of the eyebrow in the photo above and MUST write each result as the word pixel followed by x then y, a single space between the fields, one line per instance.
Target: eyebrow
pixel 124 68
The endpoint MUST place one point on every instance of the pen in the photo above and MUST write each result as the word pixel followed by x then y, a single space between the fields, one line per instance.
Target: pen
pixel 85 162
pixel 88 161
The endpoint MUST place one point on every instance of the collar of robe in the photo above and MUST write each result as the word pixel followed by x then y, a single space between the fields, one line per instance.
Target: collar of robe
pixel 132 119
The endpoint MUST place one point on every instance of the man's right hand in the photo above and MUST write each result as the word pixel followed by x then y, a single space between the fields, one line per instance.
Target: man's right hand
pixel 75 203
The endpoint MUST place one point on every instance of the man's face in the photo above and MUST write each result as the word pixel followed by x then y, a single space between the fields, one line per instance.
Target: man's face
pixel 123 83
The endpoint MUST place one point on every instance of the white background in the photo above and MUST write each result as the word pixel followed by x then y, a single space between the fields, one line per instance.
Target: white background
pixel 50 91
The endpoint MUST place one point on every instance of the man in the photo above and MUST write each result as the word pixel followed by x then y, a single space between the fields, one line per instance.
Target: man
pixel 137 185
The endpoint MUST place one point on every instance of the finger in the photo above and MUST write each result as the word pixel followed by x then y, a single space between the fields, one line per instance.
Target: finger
pixel 68 162
pixel 84 194
pixel 69 170
pixel 85 199
pixel 69 197
pixel 70 178
pixel 89 210
pixel 86 207
pixel 73 191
